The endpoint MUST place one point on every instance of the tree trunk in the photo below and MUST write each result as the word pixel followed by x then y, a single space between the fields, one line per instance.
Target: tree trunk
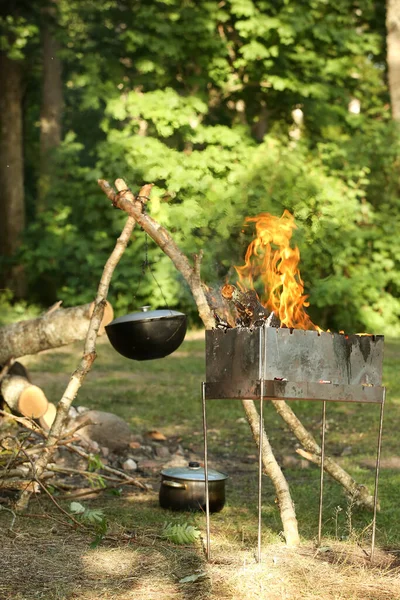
pixel 51 110
pixel 54 329
pixel 393 54
pixel 12 204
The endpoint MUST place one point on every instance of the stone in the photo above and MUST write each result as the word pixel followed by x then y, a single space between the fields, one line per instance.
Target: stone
pixel 129 465
pixel 106 430
pixel 162 452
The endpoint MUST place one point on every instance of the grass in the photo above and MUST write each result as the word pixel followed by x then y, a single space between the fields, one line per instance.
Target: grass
pixel 45 560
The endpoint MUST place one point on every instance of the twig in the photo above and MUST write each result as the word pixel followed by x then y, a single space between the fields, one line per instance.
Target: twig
pixel 53 307
pixel 109 469
pixel 75 428
pixel 60 508
pixel 25 421
pixel 88 474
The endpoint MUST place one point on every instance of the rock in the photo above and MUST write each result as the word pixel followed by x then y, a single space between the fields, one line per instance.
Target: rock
pixel 106 430
pixel 162 452
pixel 129 465
pixel 72 413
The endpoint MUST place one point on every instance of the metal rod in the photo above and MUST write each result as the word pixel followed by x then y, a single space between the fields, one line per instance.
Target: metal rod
pixel 260 470
pixel 321 484
pixel 377 468
pixel 203 398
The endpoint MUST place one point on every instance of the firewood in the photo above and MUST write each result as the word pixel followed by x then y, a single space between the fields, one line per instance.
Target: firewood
pixel 23 397
pixel 250 312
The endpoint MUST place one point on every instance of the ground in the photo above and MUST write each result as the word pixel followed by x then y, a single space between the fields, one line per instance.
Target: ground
pixel 44 557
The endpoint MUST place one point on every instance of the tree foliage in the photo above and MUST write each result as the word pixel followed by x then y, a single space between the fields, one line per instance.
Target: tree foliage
pixel 198 97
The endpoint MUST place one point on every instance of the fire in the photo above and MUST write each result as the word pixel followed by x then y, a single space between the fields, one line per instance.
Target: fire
pixel 271 258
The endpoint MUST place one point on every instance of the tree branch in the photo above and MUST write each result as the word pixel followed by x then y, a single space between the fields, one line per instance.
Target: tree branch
pixel 89 355
pixel 126 201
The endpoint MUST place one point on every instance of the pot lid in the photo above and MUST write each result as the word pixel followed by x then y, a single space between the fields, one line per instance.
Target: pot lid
pixel 193 472
pixel 147 315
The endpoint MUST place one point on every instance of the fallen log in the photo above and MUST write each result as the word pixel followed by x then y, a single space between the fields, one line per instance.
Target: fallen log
pixel 53 329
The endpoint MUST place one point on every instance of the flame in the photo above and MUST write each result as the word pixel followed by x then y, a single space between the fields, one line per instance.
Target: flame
pixel 271 258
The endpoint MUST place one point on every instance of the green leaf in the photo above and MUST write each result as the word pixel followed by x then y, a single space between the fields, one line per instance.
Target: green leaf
pixel 77 508
pixel 194 577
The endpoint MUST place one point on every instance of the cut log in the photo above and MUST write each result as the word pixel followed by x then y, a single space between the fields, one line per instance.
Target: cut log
pixel 54 329
pixel 23 397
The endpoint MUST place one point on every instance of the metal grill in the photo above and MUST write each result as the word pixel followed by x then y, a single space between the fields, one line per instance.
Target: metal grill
pixel 290 364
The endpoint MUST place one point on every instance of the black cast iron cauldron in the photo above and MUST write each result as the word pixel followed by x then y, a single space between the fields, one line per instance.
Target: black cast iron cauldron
pixel 183 488
pixel 148 334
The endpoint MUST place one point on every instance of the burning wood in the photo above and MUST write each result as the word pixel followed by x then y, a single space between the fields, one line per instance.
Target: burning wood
pixel 271 260
pixel 250 312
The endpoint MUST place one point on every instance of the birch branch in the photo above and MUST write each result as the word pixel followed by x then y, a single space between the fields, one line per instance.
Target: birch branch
pixel 89 355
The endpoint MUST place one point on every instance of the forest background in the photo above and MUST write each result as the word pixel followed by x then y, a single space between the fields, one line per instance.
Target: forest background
pixel 231 108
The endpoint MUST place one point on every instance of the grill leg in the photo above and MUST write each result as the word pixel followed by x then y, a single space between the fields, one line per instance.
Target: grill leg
pixel 377 468
pixel 321 484
pixel 260 449
pixel 203 398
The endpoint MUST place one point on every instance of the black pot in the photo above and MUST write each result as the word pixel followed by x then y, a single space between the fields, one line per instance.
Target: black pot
pixel 183 488
pixel 148 334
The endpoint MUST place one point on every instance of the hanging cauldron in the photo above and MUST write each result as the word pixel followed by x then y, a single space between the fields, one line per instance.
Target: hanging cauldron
pixel 148 334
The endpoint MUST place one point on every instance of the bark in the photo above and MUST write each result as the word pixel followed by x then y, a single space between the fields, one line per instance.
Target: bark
pixel 23 397
pixel 53 329
pixel 12 203
pixel 393 54
pixel 51 110
pixel 126 201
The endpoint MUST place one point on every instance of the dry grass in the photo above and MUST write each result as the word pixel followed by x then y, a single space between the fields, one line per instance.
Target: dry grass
pixel 51 563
